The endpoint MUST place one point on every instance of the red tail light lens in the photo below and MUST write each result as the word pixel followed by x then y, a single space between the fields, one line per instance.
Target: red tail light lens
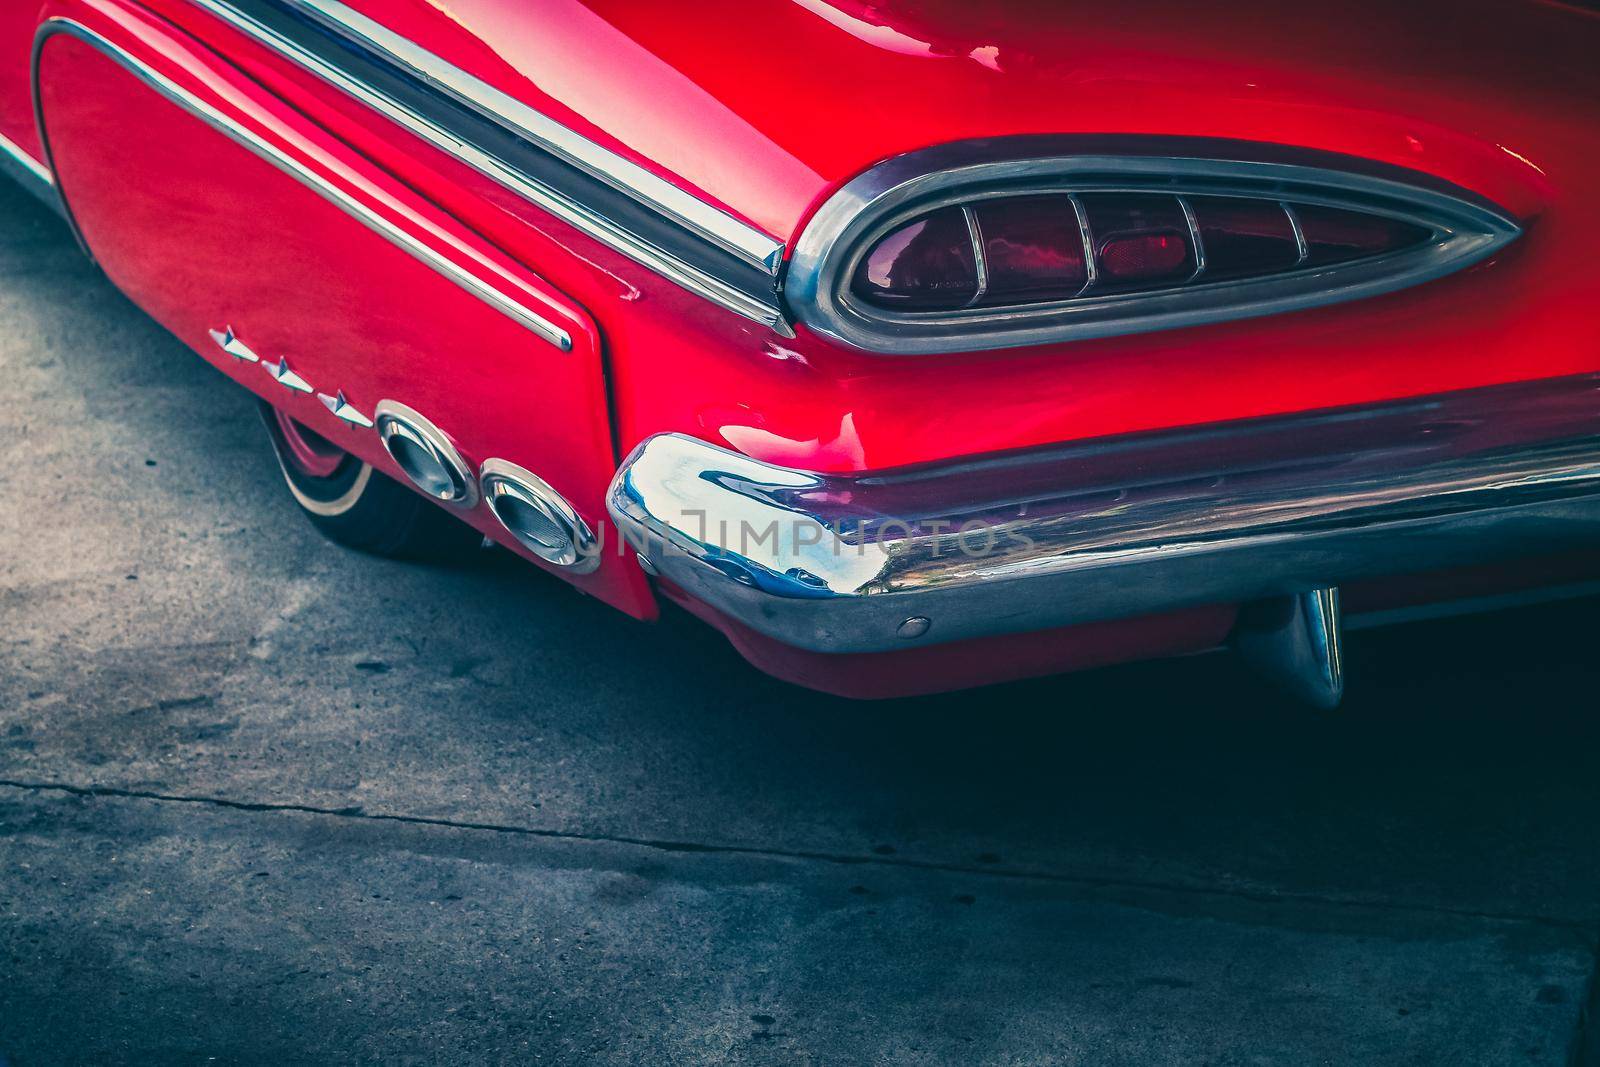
pixel 929 263
pixel 1032 249
pixel 1337 236
pixel 1011 242
pixel 1138 258
pixel 1035 249
pixel 1140 241
pixel 1244 238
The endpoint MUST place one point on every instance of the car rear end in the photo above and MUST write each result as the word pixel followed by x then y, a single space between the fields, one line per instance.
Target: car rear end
pixel 1160 328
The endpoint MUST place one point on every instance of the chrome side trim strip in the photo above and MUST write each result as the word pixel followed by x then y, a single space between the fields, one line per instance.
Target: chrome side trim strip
pixel 363 214
pixel 32 175
pixel 752 247
pixel 1121 527
pixel 14 153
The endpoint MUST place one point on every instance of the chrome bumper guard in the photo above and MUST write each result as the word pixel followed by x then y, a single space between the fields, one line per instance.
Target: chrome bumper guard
pixel 1118 527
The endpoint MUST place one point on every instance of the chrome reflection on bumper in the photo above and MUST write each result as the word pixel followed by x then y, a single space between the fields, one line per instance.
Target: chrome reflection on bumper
pixel 1118 527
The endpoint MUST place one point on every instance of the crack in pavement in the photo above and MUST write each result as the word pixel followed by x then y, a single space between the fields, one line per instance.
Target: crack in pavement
pixel 814 856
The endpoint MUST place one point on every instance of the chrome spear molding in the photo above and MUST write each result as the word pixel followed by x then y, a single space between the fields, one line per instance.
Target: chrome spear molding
pixel 29 172
pixel 1134 525
pixel 612 199
pixel 374 220
pixel 740 238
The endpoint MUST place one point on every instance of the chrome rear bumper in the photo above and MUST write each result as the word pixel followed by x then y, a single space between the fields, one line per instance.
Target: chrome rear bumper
pixel 1118 527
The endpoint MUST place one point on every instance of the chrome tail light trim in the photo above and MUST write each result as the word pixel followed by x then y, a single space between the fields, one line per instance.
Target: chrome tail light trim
pixel 1465 229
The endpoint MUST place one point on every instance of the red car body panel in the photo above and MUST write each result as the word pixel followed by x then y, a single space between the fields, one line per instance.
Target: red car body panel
pixel 982 661
pixel 1519 140
pixel 766 106
pixel 205 235
pixel 764 109
pixel 17 23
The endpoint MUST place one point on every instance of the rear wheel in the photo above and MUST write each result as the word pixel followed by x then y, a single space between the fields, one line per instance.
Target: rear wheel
pixel 355 505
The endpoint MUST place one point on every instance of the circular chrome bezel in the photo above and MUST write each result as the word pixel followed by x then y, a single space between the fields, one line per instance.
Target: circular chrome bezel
pixel 395 421
pixel 502 480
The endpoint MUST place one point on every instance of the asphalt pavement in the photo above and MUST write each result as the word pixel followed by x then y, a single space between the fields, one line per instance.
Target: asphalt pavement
pixel 266 800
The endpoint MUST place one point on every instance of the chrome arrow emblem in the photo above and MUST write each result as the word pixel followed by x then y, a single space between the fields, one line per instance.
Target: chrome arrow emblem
pixel 343 409
pixel 233 346
pixel 285 377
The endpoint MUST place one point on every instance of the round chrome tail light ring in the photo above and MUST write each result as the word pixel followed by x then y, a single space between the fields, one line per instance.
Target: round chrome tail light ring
pixel 538 517
pixel 425 455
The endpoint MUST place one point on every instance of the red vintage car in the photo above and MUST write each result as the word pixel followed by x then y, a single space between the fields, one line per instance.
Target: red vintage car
pixel 911 345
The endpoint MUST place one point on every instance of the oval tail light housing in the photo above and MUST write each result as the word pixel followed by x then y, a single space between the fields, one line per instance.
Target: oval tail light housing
pixel 928 254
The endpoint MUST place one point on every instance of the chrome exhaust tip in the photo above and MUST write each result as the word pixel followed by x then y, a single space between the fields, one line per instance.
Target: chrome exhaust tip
pixel 425 455
pixel 538 517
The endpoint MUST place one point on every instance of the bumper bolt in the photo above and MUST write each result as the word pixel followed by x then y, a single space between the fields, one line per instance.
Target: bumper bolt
pixel 913 628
